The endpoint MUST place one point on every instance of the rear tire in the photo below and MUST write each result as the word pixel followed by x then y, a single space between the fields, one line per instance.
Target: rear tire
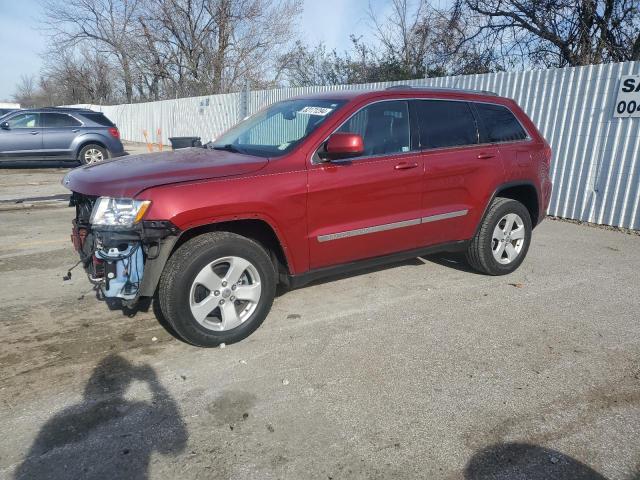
pixel 92 154
pixel 502 241
pixel 217 288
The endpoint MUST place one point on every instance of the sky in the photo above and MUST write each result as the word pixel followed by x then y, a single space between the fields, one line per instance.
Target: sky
pixel 21 43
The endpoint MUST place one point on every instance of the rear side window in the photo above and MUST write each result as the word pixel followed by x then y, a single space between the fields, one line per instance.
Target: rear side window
pixel 99 118
pixel 58 120
pixel 384 127
pixel 444 123
pixel 498 124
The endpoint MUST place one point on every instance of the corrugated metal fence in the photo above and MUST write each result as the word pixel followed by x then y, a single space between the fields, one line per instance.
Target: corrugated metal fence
pixel 595 169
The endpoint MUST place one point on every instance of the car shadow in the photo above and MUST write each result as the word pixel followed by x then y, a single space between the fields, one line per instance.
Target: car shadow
pixel 106 435
pixel 356 272
pixel 143 305
pixel 11 164
pixel 508 461
pixel 453 260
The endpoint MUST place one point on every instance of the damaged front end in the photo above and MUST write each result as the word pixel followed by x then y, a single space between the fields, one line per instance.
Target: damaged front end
pixel 122 254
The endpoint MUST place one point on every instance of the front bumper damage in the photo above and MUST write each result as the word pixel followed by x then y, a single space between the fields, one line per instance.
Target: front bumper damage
pixel 123 264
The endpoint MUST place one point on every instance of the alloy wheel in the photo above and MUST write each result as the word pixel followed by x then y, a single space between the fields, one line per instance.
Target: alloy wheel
pixel 93 155
pixel 225 293
pixel 508 238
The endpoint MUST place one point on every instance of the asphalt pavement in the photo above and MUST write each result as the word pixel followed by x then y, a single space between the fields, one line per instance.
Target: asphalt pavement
pixel 421 369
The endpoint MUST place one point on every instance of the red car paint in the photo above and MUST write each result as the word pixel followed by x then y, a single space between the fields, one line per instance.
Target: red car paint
pixel 301 200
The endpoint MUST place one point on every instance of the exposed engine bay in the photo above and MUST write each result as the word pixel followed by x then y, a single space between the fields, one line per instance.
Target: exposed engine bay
pixel 116 259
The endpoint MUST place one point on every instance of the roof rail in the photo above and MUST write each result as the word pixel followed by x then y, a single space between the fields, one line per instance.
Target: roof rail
pixel 441 89
pixel 65 109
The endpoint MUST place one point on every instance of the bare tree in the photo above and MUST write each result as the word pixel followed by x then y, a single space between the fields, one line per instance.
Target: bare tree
pixel 213 46
pixel 558 33
pixel 110 25
pixel 411 39
pixel 75 76
pixel 25 91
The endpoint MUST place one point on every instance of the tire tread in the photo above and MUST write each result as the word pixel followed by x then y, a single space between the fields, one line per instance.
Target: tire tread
pixel 478 256
pixel 176 264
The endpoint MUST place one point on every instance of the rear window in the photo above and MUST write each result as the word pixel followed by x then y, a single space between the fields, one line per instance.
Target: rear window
pixel 498 124
pixel 445 123
pixel 99 118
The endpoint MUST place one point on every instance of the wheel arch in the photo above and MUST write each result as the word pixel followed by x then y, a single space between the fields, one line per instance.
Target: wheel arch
pixel 256 229
pixel 523 191
pixel 83 142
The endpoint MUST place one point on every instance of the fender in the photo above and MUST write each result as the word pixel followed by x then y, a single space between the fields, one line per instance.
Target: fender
pixel 155 266
pixel 85 138
pixel 504 186
pixel 212 222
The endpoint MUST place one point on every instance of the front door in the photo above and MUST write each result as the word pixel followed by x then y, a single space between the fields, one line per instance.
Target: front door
pixel 21 139
pixel 367 206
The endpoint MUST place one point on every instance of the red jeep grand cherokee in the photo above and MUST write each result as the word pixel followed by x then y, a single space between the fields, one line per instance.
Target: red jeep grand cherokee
pixel 310 187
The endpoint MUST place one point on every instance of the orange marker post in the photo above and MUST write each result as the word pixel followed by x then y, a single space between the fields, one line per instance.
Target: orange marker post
pixel 146 139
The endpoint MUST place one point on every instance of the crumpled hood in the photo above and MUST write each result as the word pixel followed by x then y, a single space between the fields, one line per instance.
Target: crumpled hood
pixel 128 176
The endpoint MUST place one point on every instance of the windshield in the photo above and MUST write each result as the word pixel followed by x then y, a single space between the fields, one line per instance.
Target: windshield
pixel 274 131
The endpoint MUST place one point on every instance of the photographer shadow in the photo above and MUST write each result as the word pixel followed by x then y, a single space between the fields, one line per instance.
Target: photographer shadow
pixel 507 461
pixel 107 436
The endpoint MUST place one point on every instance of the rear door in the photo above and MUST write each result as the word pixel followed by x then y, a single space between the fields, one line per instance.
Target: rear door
pixel 22 138
pixel 367 206
pixel 498 125
pixel 58 132
pixel 460 172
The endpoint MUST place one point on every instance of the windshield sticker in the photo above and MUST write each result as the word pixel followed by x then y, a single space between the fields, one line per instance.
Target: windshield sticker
pixel 284 146
pixel 316 111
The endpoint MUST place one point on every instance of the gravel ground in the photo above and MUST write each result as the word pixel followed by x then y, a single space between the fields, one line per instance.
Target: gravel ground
pixel 418 370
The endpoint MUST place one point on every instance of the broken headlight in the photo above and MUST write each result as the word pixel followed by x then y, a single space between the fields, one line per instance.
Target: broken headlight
pixel 118 212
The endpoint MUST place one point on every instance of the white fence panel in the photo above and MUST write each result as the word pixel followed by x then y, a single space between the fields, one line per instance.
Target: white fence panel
pixel 595 168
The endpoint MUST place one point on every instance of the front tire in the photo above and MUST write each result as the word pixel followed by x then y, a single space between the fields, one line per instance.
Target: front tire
pixel 502 241
pixel 217 288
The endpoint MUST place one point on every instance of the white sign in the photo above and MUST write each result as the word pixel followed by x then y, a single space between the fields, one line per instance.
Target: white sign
pixel 628 101
pixel 315 111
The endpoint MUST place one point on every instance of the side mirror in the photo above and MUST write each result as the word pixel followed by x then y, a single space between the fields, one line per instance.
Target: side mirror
pixel 342 145
pixel 4 125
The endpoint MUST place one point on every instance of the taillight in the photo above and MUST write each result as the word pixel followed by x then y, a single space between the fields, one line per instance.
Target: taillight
pixel 114 132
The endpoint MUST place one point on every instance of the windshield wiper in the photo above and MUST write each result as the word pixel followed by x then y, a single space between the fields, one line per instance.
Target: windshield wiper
pixel 228 147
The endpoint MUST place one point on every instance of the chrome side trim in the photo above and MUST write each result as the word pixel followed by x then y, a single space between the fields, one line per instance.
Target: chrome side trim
pixel 390 226
pixel 444 216
pixel 367 230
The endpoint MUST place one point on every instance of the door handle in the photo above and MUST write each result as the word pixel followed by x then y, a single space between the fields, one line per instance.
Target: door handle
pixel 34 133
pixel 75 130
pixel 405 166
pixel 484 156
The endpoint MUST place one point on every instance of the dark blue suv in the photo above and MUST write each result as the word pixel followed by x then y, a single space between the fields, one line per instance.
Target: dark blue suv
pixel 58 134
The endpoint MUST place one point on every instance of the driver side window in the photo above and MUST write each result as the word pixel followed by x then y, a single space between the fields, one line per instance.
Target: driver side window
pixel 384 127
pixel 25 120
